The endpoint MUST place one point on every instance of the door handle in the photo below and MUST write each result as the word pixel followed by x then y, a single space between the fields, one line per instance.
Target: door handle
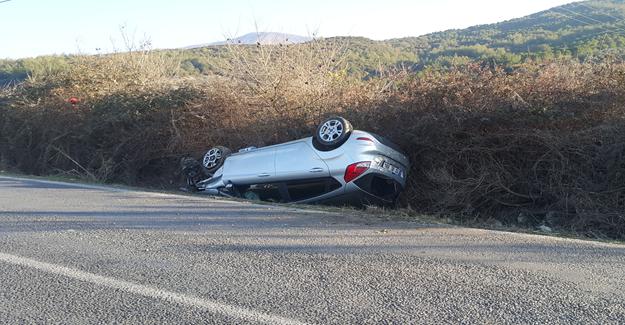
pixel 316 170
pixel 263 175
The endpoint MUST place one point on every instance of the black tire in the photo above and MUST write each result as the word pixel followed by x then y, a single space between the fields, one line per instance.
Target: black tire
pixel 332 133
pixel 192 171
pixel 214 158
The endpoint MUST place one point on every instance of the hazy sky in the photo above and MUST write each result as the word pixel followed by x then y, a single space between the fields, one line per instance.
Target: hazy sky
pixel 35 27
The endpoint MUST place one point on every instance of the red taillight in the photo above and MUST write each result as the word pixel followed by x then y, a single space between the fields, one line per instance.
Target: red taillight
pixel 364 139
pixel 355 170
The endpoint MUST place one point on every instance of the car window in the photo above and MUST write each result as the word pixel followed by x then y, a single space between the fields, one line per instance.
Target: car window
pixel 266 192
pixel 302 190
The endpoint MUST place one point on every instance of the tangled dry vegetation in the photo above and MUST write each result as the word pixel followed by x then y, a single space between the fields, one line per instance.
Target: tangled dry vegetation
pixel 542 144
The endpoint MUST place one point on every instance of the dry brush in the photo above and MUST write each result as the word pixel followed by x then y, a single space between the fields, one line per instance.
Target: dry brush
pixel 541 144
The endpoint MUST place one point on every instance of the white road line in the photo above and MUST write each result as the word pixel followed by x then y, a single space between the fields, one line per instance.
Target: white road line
pixel 151 292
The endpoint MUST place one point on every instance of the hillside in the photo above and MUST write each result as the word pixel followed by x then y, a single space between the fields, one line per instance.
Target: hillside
pixel 580 30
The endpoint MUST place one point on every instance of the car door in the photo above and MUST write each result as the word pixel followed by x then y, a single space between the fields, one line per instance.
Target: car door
pixel 297 160
pixel 253 167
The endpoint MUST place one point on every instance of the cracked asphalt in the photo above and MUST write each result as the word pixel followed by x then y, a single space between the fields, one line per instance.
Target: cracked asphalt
pixel 88 255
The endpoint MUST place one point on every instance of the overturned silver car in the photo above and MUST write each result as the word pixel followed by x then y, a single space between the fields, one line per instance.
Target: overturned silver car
pixel 338 165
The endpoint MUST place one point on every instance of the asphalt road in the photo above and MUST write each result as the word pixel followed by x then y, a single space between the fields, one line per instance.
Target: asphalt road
pixel 86 255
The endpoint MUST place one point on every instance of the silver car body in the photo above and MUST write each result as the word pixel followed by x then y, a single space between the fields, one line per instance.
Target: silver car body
pixel 300 161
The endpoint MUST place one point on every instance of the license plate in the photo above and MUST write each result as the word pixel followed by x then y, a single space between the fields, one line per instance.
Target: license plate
pixel 394 170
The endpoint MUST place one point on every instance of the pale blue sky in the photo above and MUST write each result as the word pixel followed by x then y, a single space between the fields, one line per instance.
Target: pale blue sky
pixel 36 27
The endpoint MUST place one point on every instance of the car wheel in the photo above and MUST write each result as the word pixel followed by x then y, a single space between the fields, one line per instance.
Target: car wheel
pixel 332 133
pixel 192 171
pixel 214 158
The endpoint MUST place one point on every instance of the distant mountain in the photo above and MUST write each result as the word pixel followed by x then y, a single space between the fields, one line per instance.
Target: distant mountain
pixel 583 29
pixel 580 30
pixel 267 38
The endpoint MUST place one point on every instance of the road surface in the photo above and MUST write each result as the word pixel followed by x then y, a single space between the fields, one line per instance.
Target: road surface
pixel 81 254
